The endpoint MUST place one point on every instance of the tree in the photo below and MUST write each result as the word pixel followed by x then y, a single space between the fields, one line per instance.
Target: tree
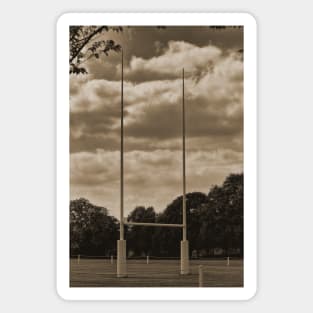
pixel 86 43
pixel 139 237
pixel 92 230
pixel 167 240
pixel 223 216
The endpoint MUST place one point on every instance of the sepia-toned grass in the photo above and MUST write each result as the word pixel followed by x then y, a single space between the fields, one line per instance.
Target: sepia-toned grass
pixel 158 273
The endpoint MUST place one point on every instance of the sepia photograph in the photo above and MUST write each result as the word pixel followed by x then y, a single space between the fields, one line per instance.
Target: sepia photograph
pixel 156 193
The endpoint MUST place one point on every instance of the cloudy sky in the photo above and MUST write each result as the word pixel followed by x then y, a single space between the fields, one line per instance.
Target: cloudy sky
pixel 153 62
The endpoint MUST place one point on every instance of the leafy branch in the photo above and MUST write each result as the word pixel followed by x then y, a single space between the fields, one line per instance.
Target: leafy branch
pixel 80 51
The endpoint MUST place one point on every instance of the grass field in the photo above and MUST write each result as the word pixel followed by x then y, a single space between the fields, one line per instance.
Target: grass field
pixel 158 273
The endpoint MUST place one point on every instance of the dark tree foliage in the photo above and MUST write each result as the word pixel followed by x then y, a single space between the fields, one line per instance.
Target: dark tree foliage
pixel 224 215
pixel 214 220
pixel 139 239
pixel 86 43
pixel 92 230
pixel 167 240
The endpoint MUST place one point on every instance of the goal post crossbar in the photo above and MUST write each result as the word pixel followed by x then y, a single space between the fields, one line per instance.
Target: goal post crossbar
pixel 153 224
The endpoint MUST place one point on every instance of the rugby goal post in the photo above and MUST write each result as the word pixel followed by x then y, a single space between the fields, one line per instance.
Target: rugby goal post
pixel 121 243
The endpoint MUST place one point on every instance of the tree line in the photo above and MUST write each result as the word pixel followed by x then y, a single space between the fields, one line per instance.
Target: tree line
pixel 214 225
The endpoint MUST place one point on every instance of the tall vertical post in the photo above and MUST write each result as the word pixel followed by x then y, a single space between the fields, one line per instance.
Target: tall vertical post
pixel 121 244
pixel 184 162
pixel 122 156
pixel 184 244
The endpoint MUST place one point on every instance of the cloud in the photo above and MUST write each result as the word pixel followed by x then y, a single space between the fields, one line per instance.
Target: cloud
pixel 169 65
pixel 151 177
pixel 153 109
pixel 147 42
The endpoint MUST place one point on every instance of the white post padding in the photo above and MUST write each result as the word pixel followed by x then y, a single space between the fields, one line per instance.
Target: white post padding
pixel 147 259
pixel 200 276
pixel 121 258
pixel 184 257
